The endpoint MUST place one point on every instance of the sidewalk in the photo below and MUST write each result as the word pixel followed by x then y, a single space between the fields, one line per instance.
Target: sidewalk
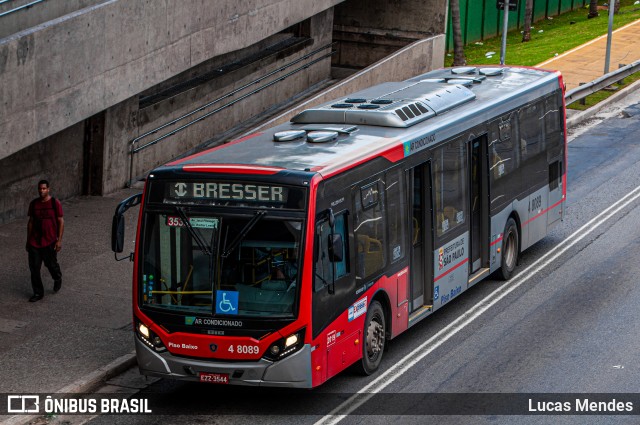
pixel 69 340
pixel 585 63
pixel 60 340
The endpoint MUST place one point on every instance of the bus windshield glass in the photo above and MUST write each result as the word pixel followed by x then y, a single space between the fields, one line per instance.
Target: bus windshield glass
pixel 220 265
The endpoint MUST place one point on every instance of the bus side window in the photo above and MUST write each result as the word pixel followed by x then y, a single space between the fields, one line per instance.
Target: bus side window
pixel 553 127
pixel 369 230
pixel 396 207
pixel 501 148
pixel 534 163
pixel 555 171
pixel 324 269
pixel 450 186
pixel 503 159
pixel 531 131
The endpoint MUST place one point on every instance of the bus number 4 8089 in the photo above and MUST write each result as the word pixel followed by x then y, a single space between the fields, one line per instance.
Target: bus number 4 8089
pixel 244 349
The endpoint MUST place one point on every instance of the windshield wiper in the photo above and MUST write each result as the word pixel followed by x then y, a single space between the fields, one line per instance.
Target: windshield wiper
pixel 245 230
pixel 194 233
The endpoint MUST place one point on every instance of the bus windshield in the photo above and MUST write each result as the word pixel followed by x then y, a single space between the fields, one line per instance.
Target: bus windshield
pixel 220 265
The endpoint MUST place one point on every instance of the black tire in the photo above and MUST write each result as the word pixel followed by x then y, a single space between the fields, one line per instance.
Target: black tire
pixel 510 251
pixel 374 339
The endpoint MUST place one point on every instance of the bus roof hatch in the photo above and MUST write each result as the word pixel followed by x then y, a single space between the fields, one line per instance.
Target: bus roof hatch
pixel 390 105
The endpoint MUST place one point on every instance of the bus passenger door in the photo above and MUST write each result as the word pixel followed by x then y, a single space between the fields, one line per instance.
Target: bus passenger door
pixel 419 179
pixel 479 182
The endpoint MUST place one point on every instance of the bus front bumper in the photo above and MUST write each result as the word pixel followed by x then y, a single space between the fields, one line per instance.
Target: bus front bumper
pixel 291 372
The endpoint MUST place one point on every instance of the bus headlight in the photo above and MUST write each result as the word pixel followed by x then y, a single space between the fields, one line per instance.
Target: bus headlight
pixel 144 330
pixel 150 338
pixel 285 346
pixel 290 341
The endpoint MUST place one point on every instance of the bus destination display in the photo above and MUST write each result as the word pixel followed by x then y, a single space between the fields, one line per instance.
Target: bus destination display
pixel 217 191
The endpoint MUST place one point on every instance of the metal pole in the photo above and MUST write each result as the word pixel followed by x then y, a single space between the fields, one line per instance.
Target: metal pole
pixel 505 27
pixel 609 34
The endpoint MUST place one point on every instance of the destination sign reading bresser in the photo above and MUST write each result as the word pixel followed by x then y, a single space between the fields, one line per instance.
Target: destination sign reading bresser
pixel 225 191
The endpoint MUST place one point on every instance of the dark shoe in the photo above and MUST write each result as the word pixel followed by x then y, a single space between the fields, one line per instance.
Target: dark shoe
pixel 57 285
pixel 35 298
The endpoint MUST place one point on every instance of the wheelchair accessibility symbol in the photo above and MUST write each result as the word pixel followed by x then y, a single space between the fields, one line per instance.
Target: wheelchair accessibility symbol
pixel 227 302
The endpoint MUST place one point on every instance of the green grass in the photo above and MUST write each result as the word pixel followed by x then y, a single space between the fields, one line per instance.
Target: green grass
pixel 558 35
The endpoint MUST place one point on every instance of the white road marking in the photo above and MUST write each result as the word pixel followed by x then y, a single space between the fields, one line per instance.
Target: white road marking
pixel 473 313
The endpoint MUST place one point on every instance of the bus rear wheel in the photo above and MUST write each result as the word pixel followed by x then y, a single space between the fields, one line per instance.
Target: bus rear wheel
pixel 374 340
pixel 509 250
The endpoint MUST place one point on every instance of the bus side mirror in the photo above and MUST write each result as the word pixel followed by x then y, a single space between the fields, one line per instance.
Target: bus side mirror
pixel 336 248
pixel 117 225
pixel 117 233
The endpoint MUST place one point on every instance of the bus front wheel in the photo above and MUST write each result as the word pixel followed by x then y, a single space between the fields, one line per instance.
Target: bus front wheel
pixel 509 249
pixel 374 340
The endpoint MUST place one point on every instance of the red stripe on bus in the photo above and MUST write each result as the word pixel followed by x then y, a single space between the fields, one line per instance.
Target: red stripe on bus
pixel 544 212
pixel 393 154
pixel 232 169
pixel 497 240
pixel 180 161
pixel 463 262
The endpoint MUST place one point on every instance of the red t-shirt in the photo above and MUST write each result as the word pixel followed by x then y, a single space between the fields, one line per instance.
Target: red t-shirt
pixel 45 225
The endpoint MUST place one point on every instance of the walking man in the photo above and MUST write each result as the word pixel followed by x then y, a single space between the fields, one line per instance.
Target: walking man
pixel 44 239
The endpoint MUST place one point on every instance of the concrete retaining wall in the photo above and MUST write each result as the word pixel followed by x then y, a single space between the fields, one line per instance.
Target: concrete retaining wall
pixel 22 19
pixel 58 158
pixel 393 16
pixel 73 85
pixel 61 72
pixel 414 59
pixel 368 30
pixel 126 121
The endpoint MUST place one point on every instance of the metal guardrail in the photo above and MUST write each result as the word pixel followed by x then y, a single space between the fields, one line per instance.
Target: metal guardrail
pixel 25 6
pixel 598 84
pixel 134 149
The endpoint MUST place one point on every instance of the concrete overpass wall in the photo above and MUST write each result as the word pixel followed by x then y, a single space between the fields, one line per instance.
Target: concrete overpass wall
pixel 69 89
pixel 368 30
pixel 19 19
pixel 59 73
pixel 406 16
pixel 72 90
pixel 418 57
pixel 58 158
pixel 141 119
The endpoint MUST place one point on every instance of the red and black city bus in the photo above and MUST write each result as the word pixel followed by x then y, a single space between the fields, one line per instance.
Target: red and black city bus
pixel 282 258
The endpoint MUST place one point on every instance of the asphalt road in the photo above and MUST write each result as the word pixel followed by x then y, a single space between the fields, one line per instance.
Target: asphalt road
pixel 567 323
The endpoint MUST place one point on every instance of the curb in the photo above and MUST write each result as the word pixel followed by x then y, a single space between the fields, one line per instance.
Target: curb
pixel 96 378
pixel 582 116
pixel 86 384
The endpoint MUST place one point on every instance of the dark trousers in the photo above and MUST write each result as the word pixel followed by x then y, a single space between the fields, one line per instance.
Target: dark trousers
pixel 37 256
